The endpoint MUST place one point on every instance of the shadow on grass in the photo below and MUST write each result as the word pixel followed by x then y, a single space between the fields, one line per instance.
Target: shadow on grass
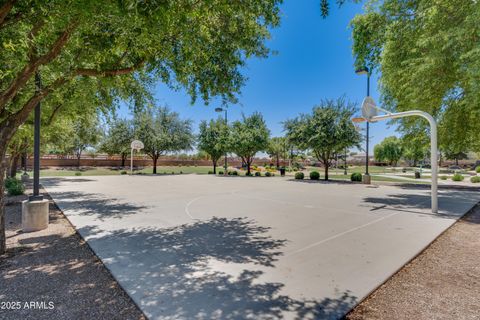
pixel 171 272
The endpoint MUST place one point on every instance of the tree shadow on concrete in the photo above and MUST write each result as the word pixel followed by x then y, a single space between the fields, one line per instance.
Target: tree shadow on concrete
pixel 169 272
pixel 452 203
pixel 91 204
pixel 55 182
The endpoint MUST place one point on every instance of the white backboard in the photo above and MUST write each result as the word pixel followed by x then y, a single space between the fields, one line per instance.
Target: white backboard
pixel 137 145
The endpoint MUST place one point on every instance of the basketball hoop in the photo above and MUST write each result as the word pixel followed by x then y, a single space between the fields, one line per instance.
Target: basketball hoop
pixel 369 108
pixel 358 119
pixel 136 145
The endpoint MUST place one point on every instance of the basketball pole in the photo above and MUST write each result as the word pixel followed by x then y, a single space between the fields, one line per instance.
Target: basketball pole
pixel 433 145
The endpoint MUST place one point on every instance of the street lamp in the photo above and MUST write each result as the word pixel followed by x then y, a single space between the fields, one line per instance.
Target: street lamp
pixel 226 123
pixel 362 71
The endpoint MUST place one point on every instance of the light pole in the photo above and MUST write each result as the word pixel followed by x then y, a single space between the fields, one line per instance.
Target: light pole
pixel 362 71
pixel 36 196
pixel 226 124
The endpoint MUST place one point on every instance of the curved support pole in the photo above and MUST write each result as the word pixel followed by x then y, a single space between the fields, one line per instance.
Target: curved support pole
pixel 433 147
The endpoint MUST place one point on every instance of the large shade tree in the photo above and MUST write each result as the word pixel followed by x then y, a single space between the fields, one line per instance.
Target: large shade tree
pixel 118 138
pixel 428 57
pixel 389 150
pixel 95 52
pixel 213 139
pixel 249 136
pixel 162 131
pixel 277 149
pixel 327 131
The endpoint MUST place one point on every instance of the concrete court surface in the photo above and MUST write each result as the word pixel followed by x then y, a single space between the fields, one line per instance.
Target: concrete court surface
pixel 207 247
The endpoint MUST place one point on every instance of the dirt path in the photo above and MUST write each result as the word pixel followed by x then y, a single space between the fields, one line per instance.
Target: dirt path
pixel 441 283
pixel 55 268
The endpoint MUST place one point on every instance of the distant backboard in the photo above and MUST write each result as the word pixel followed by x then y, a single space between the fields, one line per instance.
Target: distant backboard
pixel 137 145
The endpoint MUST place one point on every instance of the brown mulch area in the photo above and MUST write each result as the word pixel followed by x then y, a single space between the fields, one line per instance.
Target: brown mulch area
pixel 56 266
pixel 443 282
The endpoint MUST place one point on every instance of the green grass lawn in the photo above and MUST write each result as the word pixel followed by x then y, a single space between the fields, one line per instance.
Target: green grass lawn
pixel 65 172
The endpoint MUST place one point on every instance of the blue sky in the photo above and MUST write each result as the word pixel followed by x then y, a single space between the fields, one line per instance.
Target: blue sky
pixel 313 61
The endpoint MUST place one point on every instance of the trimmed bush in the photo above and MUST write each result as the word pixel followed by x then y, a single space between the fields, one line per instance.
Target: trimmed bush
pixel 78 173
pixel 457 177
pixel 210 172
pixel 443 177
pixel 299 175
pixel 248 174
pixel 268 174
pixel 123 172
pixel 14 187
pixel 477 169
pixel 314 175
pixel 475 179
pixel 220 173
pixel 234 173
pixel 258 174
pixel 356 176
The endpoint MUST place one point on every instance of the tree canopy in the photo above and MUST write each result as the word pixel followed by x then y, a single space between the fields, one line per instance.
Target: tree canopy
pixel 327 131
pixel 277 147
pixel 249 136
pixel 162 131
pixel 118 138
pixel 213 139
pixel 389 150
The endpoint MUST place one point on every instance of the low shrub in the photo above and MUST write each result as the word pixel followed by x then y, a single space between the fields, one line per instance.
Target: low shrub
pixel 173 172
pixel 457 177
pixel 220 173
pixel 181 172
pixel 314 175
pixel 78 173
pixel 475 179
pixel 248 174
pixel 258 174
pixel 268 174
pixel 299 175
pixel 123 172
pixel 443 177
pixel 14 187
pixel 234 173
pixel 477 169
pixel 356 176
pixel 210 172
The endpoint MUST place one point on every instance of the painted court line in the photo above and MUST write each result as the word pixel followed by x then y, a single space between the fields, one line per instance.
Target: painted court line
pixel 341 234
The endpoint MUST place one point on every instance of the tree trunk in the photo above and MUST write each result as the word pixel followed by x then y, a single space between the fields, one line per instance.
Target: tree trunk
pixel 79 155
pixel 14 165
pixel 278 161
pixel 326 171
pixel 124 157
pixel 155 158
pixel 214 166
pixel 456 161
pixel 248 161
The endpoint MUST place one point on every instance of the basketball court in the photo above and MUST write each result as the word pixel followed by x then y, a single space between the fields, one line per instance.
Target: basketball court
pixel 207 247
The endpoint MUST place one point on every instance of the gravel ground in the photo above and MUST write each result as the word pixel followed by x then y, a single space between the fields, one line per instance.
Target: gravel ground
pixel 443 282
pixel 55 267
